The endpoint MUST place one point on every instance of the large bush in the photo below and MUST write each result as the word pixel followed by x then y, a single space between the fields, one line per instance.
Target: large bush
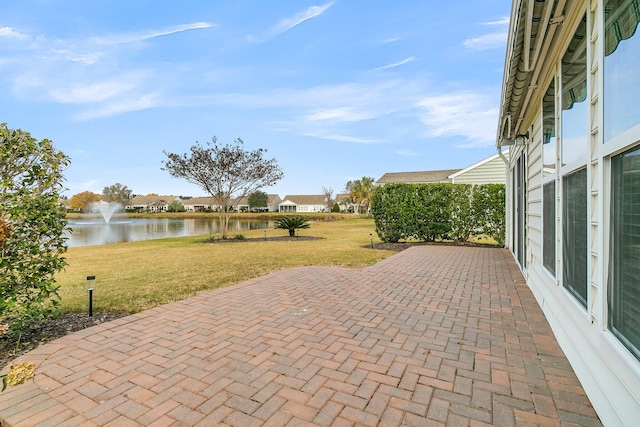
pixel 489 207
pixel 442 211
pixel 32 226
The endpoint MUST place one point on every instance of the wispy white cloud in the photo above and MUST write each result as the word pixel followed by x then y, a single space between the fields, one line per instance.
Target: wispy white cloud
pixel 81 58
pixel 27 80
pixel 502 21
pixel 342 138
pixel 9 32
pixel 333 112
pixel 114 108
pixel 80 72
pixel 391 40
pixel 297 19
pixel 342 114
pixel 288 23
pixel 492 40
pixel 83 93
pixel 397 64
pixel 487 41
pixel 471 115
pixel 146 35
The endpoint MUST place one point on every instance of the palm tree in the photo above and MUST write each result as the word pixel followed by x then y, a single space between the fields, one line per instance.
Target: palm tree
pixel 361 191
pixel 292 223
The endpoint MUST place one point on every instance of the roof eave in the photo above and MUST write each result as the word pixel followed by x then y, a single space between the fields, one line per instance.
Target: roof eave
pixel 531 31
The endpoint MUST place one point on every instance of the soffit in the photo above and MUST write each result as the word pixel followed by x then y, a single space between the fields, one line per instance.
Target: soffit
pixel 529 39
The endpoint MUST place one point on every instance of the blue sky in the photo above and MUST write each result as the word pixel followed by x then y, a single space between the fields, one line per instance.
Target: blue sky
pixel 333 90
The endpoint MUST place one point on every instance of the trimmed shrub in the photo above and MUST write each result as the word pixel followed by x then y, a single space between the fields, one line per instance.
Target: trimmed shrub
pixel 439 211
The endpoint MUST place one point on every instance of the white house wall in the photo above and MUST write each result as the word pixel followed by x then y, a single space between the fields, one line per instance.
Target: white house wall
pixel 491 172
pixel 609 373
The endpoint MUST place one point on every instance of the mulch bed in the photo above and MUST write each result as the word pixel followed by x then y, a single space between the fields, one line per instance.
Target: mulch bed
pixel 401 246
pixel 262 239
pixel 11 348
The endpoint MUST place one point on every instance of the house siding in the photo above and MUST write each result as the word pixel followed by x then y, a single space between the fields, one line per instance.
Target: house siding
pixel 490 172
pixel 608 371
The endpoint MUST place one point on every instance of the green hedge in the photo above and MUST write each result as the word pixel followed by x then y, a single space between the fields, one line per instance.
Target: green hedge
pixel 443 211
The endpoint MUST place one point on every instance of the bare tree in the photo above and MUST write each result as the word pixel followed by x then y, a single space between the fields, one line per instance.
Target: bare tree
pixel 328 199
pixel 225 172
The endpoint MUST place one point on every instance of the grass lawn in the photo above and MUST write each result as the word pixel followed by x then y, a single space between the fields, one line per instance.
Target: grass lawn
pixel 135 276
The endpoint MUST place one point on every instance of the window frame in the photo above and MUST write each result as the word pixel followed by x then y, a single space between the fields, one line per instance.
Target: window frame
pixel 564 170
pixel 607 149
pixel 552 178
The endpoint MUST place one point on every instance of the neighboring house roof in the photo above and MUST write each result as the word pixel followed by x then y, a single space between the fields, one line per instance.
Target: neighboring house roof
pixel 240 201
pixel 305 199
pixel 149 200
pixel 244 201
pixel 273 199
pixel 200 201
pixel 417 177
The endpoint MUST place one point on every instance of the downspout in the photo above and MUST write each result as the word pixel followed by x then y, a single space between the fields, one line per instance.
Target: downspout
pixel 507 190
pixel 502 156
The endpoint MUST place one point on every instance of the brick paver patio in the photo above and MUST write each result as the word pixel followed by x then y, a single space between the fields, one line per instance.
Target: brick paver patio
pixel 431 336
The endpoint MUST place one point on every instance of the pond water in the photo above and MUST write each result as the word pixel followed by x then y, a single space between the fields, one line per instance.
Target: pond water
pixel 94 231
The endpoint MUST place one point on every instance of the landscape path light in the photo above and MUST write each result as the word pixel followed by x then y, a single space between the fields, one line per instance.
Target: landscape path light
pixel 91 282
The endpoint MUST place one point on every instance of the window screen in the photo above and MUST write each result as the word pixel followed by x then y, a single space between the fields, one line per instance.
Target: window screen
pixel 549 227
pixel 574 234
pixel 624 271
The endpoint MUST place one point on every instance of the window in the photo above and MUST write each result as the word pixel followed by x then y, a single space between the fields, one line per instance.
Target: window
pixel 624 269
pixel 549 130
pixel 549 226
pixel 549 156
pixel 574 234
pixel 574 153
pixel 574 95
pixel 621 65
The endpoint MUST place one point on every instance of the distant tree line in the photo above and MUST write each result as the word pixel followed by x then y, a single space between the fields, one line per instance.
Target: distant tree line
pixel 116 193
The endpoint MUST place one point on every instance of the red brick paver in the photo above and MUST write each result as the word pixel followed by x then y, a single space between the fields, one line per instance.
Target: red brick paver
pixel 430 336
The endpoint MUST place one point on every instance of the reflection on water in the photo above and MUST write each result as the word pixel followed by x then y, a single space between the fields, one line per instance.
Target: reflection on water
pixel 94 231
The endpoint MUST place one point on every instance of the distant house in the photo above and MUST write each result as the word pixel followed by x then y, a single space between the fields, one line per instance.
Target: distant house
pixel 423 177
pixel 200 204
pixel 65 203
pixel 150 203
pixel 303 203
pixel 491 170
pixel 273 200
pixel 344 202
pixel 487 171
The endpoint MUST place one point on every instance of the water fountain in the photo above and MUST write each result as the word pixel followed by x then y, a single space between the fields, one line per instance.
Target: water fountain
pixel 106 209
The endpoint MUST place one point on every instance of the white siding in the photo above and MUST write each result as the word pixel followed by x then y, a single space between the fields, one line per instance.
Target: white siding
pixel 608 372
pixel 489 172
pixel 534 196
